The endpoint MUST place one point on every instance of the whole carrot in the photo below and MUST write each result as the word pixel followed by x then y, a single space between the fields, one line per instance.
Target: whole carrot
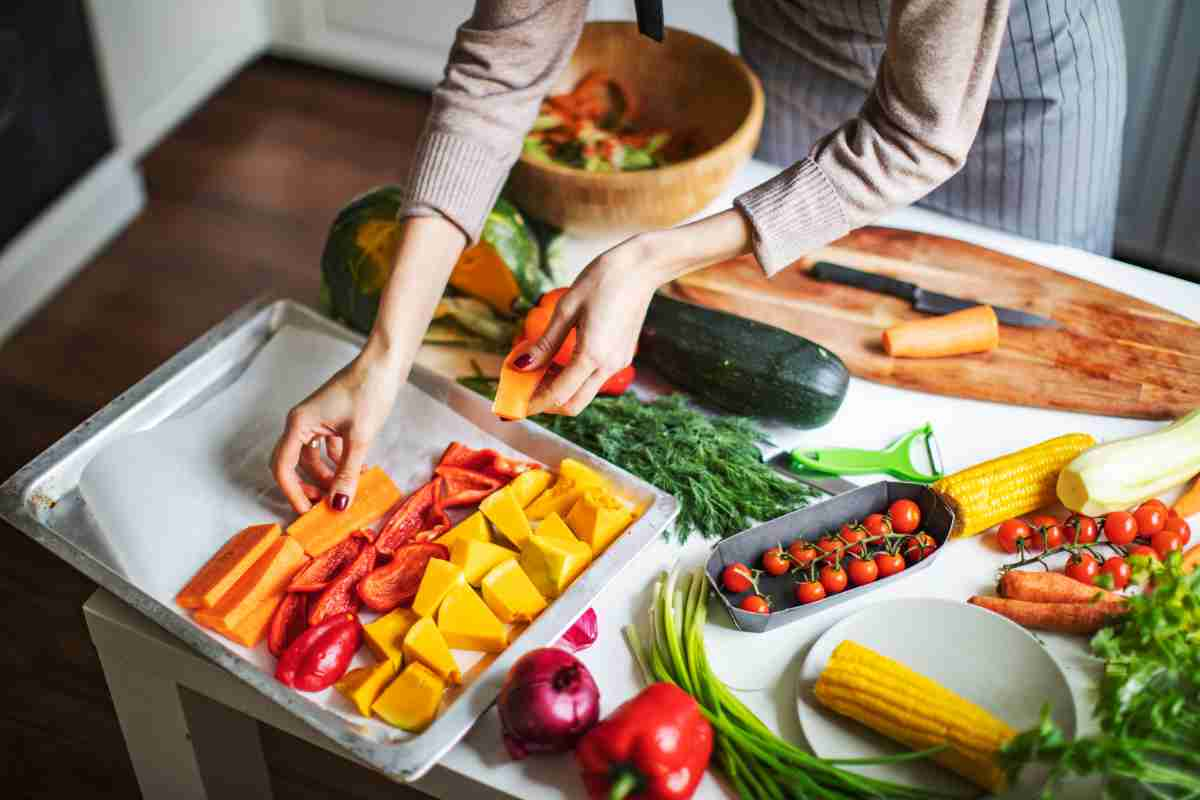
pixel 1057 617
pixel 1039 586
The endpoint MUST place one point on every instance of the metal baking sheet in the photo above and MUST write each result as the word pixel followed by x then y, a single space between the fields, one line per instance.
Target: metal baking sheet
pixel 811 523
pixel 43 500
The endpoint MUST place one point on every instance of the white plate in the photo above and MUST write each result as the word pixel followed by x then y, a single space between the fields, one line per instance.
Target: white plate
pixel 981 656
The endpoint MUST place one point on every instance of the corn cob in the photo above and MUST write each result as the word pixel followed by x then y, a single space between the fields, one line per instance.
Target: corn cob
pixel 1018 483
pixel 903 705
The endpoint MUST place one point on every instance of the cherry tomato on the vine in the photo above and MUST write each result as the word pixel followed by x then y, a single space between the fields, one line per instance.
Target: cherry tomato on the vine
pixel 905 516
pixel 756 604
pixel 1179 525
pixel 877 524
pixel 802 552
pixel 774 562
pixel 889 564
pixel 809 592
pixel 850 536
pixel 829 544
pixel 1014 535
pixel 1120 528
pixel 1083 568
pixel 1119 569
pixel 1142 550
pixel 833 578
pixel 862 571
pixel 1047 533
pixel 1150 518
pixel 1080 529
pixel 918 547
pixel 737 578
pixel 1165 542
pixel 1154 501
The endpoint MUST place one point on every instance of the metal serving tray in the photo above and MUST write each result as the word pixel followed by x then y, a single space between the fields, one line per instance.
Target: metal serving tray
pixel 811 523
pixel 42 499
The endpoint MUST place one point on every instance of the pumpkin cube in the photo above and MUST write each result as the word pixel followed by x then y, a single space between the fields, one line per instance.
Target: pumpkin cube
pixel 502 508
pixel 440 577
pixel 477 558
pixel 363 686
pixel 473 527
pixel 554 527
pixel 468 624
pixel 510 594
pixel 411 701
pixel 232 561
pixel 553 563
pixel 528 485
pixel 385 636
pixel 581 474
pixel 424 643
pixel 597 518
pixel 558 499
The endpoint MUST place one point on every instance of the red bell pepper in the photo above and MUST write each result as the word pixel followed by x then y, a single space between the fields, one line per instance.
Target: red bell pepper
pixel 408 519
pixel 395 583
pixel 655 747
pixel 339 597
pixel 288 622
pixel 486 462
pixel 466 487
pixel 320 656
pixel 620 382
pixel 316 574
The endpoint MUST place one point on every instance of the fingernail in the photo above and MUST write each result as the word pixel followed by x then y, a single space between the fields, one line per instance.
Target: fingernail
pixel 522 361
pixel 339 502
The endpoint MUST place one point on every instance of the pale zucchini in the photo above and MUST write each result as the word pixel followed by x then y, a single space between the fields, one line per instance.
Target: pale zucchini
pixel 1119 475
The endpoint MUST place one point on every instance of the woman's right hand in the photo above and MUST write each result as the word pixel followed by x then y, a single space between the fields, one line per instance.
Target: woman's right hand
pixel 346 414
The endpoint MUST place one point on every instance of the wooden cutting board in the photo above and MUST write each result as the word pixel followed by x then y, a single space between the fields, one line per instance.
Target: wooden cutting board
pixel 1114 355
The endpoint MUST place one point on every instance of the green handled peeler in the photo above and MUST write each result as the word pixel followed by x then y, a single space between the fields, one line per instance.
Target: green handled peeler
pixel 895 460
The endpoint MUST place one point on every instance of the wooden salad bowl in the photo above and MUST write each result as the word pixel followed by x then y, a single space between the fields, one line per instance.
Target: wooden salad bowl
pixel 686 84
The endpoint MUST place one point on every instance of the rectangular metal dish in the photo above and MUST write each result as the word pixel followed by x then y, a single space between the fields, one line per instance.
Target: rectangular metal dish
pixel 811 523
pixel 42 499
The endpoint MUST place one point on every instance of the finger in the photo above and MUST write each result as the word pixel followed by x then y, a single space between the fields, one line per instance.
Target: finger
pixel 313 493
pixel 539 353
pixel 284 460
pixel 345 482
pixel 564 387
pixel 333 447
pixel 586 394
pixel 310 459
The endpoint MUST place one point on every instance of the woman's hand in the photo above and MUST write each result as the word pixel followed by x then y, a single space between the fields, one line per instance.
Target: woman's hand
pixel 607 305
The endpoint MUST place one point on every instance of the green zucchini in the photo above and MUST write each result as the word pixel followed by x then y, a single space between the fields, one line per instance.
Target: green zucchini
pixel 742 366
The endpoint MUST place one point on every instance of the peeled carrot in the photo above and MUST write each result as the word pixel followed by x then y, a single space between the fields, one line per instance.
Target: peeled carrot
pixel 1191 559
pixel 1189 502
pixel 972 330
pixel 1056 617
pixel 1049 587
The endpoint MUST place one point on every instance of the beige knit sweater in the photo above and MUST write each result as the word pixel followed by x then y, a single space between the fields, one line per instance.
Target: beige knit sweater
pixel 912 134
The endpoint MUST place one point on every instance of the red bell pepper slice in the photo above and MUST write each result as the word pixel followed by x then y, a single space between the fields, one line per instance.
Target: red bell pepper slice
pixel 486 462
pixel 408 519
pixel 436 520
pixel 655 746
pixel 320 656
pixel 288 622
pixel 466 487
pixel 317 573
pixel 620 382
pixel 395 583
pixel 339 597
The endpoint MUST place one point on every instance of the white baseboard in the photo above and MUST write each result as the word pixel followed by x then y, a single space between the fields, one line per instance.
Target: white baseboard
pixel 65 237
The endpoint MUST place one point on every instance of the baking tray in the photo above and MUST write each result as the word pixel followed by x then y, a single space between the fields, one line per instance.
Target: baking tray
pixel 811 523
pixel 42 499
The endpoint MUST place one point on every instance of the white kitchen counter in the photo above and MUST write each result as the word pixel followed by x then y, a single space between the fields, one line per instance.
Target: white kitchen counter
pixel 764 667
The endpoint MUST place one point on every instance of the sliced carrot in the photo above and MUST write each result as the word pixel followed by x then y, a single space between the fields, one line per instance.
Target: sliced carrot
pixel 1048 587
pixel 228 564
pixel 1191 559
pixel 251 630
pixel 516 389
pixel 269 577
pixel 1189 502
pixel 1057 617
pixel 320 528
pixel 972 330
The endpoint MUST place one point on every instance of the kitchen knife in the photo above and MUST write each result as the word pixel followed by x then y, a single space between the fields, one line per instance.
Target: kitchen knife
pixel 922 300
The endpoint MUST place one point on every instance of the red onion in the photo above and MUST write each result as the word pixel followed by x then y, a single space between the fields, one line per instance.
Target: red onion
pixel 548 702
pixel 582 634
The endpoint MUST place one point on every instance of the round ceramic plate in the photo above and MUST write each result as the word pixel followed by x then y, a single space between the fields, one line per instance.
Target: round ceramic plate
pixel 981 656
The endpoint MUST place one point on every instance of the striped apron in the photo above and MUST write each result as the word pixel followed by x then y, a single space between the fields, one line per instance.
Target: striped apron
pixel 1047 160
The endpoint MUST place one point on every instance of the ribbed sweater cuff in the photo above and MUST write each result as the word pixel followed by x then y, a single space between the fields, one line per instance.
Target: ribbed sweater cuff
pixel 792 214
pixel 456 176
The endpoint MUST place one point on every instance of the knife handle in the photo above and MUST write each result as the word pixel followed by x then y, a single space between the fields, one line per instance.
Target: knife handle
pixel 825 271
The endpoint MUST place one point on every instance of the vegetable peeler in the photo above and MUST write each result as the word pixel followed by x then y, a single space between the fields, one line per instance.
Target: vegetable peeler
pixel 894 460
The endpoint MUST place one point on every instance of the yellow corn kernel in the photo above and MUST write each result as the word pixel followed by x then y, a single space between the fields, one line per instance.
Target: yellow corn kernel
pixel 1018 483
pixel 904 705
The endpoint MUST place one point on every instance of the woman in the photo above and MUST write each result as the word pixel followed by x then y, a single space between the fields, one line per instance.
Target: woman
pixel 1006 116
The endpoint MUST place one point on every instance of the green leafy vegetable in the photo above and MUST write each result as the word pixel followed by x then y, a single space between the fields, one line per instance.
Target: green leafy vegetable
pixel 1149 698
pixel 711 464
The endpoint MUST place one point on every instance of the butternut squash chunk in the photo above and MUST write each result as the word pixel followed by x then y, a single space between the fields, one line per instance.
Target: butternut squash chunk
pixel 269 577
pixel 516 389
pixel 228 564
pixel 320 528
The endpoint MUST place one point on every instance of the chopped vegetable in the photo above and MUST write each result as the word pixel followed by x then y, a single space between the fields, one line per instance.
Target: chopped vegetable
pixel 288 622
pixel 1047 587
pixel 341 596
pixel 409 519
pixel 424 642
pixel 317 573
pixel 320 528
pixel 363 686
pixel 266 580
pixel 1121 474
pixel 908 707
pixel 1086 617
pixel 972 330
pixel 396 583
pixel 516 388
pixel 411 701
pixel 510 593
pixel 232 561
pixel 1018 483
pixel 320 656
pixel 582 634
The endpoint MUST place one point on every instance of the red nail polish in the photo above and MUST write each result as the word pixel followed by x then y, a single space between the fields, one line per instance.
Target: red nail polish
pixel 522 361
pixel 339 502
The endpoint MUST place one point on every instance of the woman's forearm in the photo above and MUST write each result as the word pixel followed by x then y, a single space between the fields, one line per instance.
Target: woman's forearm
pixel 425 256
pixel 675 252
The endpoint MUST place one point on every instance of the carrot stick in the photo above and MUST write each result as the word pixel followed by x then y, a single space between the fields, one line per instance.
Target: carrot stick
pixel 1191 559
pixel 1189 502
pixel 1057 617
pixel 1048 587
pixel 972 330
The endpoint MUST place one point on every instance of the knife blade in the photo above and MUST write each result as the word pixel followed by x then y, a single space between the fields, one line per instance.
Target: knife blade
pixel 922 300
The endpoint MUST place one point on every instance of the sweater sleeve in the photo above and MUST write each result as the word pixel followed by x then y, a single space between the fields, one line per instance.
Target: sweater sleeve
pixel 504 60
pixel 912 134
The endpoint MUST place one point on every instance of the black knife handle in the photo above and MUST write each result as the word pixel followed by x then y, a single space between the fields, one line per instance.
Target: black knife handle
pixel 650 18
pixel 825 271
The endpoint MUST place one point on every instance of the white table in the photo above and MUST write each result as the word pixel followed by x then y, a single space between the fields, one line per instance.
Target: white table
pixel 172 744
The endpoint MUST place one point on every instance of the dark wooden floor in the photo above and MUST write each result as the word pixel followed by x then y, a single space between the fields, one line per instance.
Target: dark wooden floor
pixel 240 196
